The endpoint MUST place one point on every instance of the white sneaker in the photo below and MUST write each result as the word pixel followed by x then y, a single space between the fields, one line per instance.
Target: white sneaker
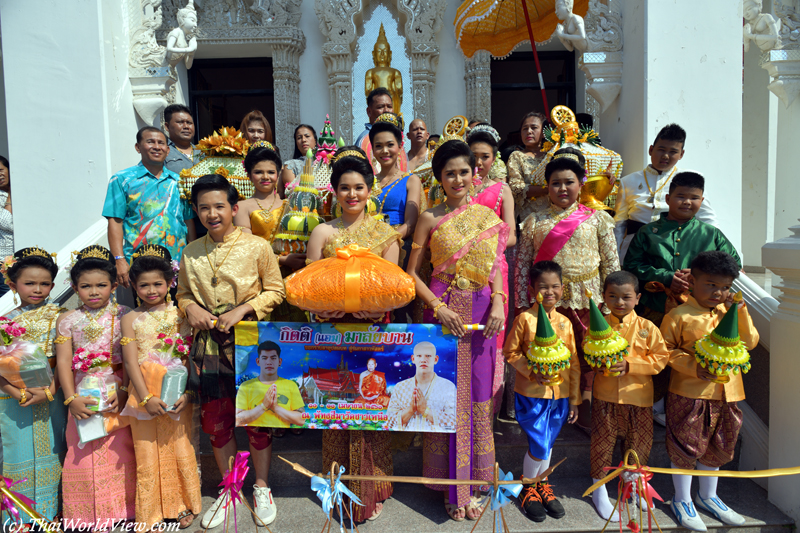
pixel 721 512
pixel 687 516
pixel 216 513
pixel 264 506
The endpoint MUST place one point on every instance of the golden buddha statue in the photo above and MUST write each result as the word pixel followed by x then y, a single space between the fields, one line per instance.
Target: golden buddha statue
pixel 383 75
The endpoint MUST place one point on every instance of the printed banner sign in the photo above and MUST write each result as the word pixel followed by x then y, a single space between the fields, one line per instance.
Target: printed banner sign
pixel 391 377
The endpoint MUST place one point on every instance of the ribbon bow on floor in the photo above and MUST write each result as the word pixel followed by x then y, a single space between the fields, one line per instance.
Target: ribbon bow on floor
pixel 332 492
pixel 13 502
pixel 232 487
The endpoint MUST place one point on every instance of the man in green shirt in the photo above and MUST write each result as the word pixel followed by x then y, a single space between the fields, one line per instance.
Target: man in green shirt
pixel 662 250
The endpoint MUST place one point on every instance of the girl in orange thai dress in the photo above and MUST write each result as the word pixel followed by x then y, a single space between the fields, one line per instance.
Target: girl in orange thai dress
pixel 167 485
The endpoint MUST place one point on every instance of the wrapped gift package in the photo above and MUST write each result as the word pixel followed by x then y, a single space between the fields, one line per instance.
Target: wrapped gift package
pixel 91 428
pixel 24 365
pixel 101 387
pixel 173 385
pixel 354 280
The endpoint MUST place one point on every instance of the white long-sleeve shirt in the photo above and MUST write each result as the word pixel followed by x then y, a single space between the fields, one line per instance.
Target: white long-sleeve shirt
pixel 633 203
pixel 6 228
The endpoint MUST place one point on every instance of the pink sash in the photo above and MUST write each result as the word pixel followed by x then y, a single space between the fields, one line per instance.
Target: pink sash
pixel 561 233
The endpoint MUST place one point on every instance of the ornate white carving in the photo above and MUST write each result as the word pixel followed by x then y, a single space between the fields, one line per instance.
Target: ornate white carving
pixel 760 28
pixel 478 79
pixel 572 33
pixel 150 75
pixel 602 62
pixel 788 12
pixel 784 67
pixel 182 41
pixel 286 80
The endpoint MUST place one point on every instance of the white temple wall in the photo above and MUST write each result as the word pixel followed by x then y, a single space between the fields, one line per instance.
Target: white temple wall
pixel 313 74
pixel 3 118
pixel 451 94
pixel 70 112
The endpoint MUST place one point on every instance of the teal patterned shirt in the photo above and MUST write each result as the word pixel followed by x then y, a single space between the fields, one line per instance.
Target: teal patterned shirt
pixel 151 209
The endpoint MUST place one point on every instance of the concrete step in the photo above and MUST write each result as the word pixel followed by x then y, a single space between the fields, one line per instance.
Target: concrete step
pixel 510 443
pixel 414 508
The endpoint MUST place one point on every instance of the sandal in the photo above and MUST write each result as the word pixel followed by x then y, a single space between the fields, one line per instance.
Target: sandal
pixel 474 504
pixel 185 514
pixel 452 509
pixel 377 512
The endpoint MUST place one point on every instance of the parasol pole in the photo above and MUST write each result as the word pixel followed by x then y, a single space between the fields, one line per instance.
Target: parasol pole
pixel 536 57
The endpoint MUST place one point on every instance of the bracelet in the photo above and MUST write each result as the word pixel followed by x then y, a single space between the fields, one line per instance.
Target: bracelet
pixel 118 257
pixel 146 399
pixel 23 396
pixel 69 400
pixel 436 309
pixel 61 339
pixel 504 295
pixel 123 388
pixel 124 341
pixel 48 394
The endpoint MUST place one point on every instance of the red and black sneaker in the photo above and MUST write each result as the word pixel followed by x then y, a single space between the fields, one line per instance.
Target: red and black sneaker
pixel 549 501
pixel 531 503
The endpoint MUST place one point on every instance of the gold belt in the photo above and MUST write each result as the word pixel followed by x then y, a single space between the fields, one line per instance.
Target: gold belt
pixel 577 279
pixel 461 282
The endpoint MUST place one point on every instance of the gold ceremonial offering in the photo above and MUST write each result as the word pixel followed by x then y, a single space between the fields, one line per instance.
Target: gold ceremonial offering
pixel 602 346
pixel 595 191
pixel 547 355
pixel 722 352
pixel 224 151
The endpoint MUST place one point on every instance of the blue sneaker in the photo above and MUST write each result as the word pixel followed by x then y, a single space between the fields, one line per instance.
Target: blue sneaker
pixel 687 516
pixel 721 512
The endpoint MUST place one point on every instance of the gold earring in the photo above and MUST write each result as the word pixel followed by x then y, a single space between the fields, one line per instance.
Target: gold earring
pixel 168 299
pixel 15 297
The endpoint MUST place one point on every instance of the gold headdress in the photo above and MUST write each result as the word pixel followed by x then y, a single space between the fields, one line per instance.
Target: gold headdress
pixel 94 251
pixel 348 153
pixel 34 250
pixel 391 118
pixel 151 250
pixel 574 157
pixel 263 144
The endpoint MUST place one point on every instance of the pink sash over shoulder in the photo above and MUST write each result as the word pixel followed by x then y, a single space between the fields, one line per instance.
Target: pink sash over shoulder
pixel 562 232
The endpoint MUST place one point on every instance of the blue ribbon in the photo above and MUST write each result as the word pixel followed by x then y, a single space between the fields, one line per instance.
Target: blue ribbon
pixel 335 496
pixel 503 496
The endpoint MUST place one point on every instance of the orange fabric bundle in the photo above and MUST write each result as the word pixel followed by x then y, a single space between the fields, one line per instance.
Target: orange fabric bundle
pixel 9 369
pixel 153 374
pixel 355 280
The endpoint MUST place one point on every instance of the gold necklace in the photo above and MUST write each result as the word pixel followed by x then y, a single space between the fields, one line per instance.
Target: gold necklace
pixel 93 330
pixel 274 196
pixel 651 199
pixel 33 325
pixel 214 278
pixel 164 326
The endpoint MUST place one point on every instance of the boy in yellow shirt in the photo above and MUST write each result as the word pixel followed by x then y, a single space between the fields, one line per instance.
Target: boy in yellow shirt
pixel 703 421
pixel 542 409
pixel 623 395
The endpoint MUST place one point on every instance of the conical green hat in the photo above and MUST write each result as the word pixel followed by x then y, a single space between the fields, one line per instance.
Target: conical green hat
pixel 545 334
pixel 727 331
pixel 598 327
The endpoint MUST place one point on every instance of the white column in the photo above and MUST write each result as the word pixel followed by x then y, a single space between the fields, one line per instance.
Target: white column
pixel 478 80
pixel 783 258
pixel 286 80
pixel 689 71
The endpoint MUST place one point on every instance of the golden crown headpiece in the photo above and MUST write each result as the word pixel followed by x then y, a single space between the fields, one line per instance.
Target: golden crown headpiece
pixel 348 153
pixel 94 251
pixel 263 144
pixel 391 118
pixel 574 157
pixel 151 250
pixel 34 250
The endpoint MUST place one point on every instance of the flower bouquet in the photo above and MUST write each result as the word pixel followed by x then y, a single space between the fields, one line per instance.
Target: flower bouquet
pixel 22 363
pixel 164 374
pixel 722 352
pixel 547 354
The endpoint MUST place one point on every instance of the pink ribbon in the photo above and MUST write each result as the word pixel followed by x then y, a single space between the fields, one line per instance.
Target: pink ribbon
pixel 555 240
pixel 637 485
pixel 232 484
pixel 8 505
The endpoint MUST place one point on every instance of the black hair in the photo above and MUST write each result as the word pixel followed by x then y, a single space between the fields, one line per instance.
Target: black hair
pixel 691 180
pixel 619 278
pixel 541 116
pixel 544 267
pixel 259 154
pixel 351 163
pixel 566 163
pixel 297 154
pixel 4 161
pixel 505 153
pixel 715 263
pixel 378 92
pixel 268 346
pixel 142 131
pixel 380 127
pixel 671 132
pixel 175 108
pixel 24 261
pixel 482 137
pixel 450 150
pixel 214 182
pixel 151 263
pixel 100 259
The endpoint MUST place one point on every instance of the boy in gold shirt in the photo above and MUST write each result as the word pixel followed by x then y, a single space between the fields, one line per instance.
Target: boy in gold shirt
pixel 703 421
pixel 622 405
pixel 226 277
pixel 542 409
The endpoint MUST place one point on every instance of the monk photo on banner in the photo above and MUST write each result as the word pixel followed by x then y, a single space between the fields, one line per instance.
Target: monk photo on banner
pixel 378 377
